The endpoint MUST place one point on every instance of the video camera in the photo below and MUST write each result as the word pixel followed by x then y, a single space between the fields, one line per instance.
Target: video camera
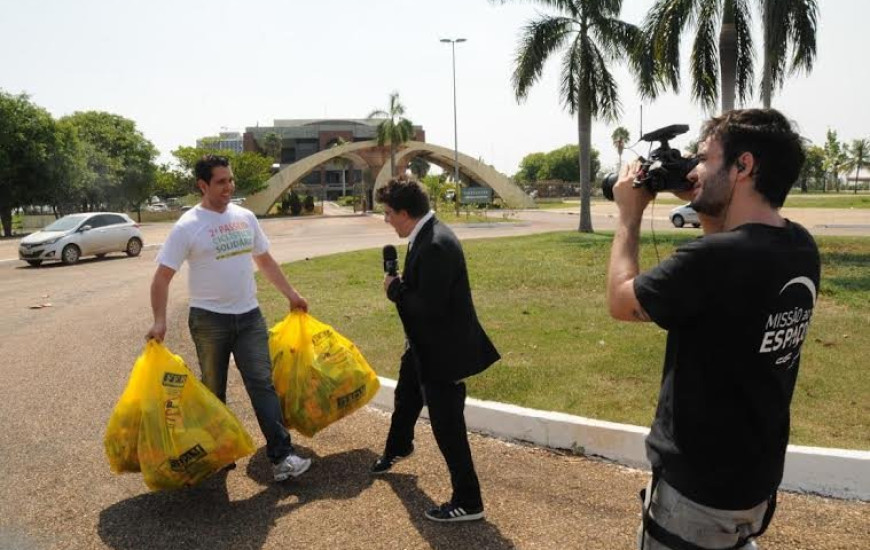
pixel 666 169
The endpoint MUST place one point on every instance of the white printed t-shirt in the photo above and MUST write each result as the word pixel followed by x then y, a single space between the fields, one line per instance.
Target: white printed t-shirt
pixel 218 248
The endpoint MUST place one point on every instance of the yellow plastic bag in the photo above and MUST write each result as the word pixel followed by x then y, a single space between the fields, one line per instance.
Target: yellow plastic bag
pixel 185 433
pixel 122 432
pixel 320 376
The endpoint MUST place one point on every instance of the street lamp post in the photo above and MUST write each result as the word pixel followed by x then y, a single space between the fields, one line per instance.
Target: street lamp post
pixel 453 43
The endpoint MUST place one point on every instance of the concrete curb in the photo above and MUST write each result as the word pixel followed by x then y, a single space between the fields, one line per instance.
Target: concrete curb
pixel 838 473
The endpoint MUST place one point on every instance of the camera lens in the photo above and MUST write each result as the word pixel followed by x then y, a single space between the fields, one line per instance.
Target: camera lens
pixel 607 185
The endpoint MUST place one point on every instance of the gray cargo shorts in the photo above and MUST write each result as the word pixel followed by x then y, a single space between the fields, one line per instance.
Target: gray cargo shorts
pixel 698 524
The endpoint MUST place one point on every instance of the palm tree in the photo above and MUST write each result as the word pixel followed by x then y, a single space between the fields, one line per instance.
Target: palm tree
pixel 592 36
pixel 272 146
pixel 342 163
pixel 395 129
pixel 620 137
pixel 858 156
pixel 419 167
pixel 834 157
pixel 788 25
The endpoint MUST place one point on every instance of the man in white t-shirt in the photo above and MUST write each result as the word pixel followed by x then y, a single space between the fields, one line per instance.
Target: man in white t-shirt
pixel 219 240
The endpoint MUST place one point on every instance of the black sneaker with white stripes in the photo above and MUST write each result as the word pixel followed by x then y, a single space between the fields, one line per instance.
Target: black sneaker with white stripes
pixel 449 512
pixel 386 462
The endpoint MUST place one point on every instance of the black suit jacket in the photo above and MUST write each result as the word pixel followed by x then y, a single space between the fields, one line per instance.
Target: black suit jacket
pixel 433 298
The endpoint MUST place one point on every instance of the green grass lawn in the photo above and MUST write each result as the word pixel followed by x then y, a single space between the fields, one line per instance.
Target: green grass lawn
pixel 541 298
pixel 550 204
pixel 475 215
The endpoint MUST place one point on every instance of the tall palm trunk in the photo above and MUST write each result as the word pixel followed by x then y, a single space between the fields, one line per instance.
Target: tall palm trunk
pixel 584 131
pixel 392 159
pixel 6 220
pixel 766 83
pixel 857 173
pixel 343 182
pixel 728 56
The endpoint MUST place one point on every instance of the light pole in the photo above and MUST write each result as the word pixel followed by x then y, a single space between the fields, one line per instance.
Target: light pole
pixel 453 43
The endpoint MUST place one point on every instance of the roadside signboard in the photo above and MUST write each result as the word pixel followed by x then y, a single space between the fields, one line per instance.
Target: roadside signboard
pixel 476 195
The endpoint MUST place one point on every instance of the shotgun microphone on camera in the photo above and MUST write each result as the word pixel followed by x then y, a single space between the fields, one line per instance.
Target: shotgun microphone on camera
pixel 391 261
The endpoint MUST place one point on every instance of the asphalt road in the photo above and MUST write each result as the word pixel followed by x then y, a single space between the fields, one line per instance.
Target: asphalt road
pixel 64 366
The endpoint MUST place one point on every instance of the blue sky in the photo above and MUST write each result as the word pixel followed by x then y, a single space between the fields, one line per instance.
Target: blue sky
pixel 183 69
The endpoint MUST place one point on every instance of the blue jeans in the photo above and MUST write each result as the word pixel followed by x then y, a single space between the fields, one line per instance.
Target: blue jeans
pixel 216 336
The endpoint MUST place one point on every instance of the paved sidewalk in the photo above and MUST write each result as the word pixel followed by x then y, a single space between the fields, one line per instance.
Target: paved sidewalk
pixel 535 499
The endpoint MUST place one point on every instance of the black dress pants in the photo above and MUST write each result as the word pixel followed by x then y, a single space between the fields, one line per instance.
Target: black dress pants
pixel 446 402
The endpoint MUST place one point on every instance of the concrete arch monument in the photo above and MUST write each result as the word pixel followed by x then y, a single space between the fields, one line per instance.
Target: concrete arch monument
pixel 512 195
pixel 371 156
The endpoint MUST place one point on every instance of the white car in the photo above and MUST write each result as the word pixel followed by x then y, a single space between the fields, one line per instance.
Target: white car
pixel 157 207
pixel 77 235
pixel 682 215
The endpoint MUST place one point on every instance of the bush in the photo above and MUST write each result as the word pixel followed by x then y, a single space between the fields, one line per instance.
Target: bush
pixel 295 204
pixel 309 203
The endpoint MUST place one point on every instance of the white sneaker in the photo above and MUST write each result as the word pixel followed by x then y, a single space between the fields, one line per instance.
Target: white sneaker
pixel 292 466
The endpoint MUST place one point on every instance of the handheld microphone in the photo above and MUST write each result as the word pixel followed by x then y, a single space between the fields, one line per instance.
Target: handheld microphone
pixel 391 261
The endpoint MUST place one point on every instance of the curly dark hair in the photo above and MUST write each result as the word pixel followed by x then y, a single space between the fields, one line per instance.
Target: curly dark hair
pixel 404 195
pixel 206 164
pixel 772 141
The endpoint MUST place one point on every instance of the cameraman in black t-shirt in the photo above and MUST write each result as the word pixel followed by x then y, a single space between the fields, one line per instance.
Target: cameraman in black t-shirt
pixel 736 303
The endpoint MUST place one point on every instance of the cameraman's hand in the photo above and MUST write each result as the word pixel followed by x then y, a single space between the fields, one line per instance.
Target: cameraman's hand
pixel 632 201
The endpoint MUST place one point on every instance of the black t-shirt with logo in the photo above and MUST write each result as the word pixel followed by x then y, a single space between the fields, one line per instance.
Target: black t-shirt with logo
pixel 736 306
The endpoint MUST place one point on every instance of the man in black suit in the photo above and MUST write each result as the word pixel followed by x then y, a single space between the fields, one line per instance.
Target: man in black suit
pixel 444 345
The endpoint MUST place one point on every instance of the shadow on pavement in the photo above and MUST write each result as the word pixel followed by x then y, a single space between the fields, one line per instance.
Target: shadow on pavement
pixel 204 517
pixel 442 536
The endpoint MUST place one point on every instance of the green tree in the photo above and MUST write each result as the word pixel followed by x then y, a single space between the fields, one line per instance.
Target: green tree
pixel 558 164
pixel 272 146
pixel 68 171
pixel 723 45
pixel 171 182
pixel 251 170
pixel 185 160
pixel 835 157
pixel 593 36
pixel 419 167
pixel 435 187
pixel 531 168
pixel 27 138
pixel 857 157
pixel 561 164
pixel 620 138
pixel 812 174
pixel 120 158
pixel 394 129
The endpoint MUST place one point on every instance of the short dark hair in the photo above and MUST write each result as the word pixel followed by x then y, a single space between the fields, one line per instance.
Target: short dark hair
pixel 206 164
pixel 772 141
pixel 404 195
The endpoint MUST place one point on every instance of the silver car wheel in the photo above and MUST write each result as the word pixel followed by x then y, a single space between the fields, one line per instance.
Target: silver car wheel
pixel 70 254
pixel 134 247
